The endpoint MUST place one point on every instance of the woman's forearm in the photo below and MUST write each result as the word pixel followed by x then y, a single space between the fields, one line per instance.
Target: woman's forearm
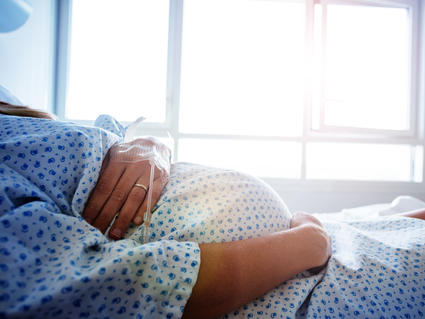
pixel 234 273
pixel 419 214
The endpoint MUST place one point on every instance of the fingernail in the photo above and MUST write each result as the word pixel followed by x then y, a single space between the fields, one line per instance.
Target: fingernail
pixel 138 220
pixel 115 233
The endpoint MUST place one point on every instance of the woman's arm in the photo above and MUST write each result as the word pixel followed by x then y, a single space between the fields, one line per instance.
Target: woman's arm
pixel 234 273
pixel 419 214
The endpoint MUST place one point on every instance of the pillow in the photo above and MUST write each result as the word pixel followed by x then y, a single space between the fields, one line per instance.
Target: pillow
pixel 8 97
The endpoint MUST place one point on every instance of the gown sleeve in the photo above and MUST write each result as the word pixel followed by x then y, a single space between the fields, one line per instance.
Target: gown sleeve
pixel 53 263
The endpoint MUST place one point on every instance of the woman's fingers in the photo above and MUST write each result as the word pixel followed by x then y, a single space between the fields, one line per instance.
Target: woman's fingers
pixel 116 192
pixel 129 209
pixel 137 200
pixel 111 173
pixel 300 218
pixel 117 198
pixel 157 187
pixel 125 165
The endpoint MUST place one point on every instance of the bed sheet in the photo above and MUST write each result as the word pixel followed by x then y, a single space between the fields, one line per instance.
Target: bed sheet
pixel 400 204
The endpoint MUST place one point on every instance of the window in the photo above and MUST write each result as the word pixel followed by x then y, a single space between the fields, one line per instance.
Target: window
pixel 118 59
pixel 242 67
pixel 364 67
pixel 283 89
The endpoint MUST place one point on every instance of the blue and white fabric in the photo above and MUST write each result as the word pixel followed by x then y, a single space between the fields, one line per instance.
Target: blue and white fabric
pixel 55 265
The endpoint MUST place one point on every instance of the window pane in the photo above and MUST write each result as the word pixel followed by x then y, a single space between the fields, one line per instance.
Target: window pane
pixel 118 59
pixel 367 67
pixel 260 158
pixel 242 67
pixel 418 156
pixel 359 161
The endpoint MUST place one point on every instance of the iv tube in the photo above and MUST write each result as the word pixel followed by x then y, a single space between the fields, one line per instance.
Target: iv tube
pixel 148 213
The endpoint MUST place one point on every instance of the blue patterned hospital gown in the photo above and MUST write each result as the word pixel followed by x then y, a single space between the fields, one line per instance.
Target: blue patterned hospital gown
pixel 54 264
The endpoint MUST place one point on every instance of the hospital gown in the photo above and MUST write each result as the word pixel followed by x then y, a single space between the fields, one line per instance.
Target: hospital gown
pixel 53 263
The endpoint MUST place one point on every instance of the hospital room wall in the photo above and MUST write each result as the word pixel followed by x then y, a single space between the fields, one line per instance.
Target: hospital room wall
pixel 27 57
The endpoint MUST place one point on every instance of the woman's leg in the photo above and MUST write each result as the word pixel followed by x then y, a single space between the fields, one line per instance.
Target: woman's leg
pixel 418 213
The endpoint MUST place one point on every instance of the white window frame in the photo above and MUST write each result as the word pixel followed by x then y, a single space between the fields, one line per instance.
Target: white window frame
pixel 413 9
pixel 414 137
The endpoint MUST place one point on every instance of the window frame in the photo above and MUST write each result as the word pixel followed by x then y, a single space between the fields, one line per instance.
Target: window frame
pixel 170 127
pixel 414 27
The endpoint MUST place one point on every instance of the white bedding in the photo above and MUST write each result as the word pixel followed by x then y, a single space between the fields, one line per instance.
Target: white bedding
pixel 400 204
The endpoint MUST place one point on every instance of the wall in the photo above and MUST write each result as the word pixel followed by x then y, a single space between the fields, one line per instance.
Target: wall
pixel 26 56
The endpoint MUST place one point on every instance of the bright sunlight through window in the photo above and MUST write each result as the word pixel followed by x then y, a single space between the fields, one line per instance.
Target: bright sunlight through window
pixel 242 67
pixel 365 66
pixel 118 62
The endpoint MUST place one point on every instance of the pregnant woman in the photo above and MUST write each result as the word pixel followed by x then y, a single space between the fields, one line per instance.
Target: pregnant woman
pixel 220 241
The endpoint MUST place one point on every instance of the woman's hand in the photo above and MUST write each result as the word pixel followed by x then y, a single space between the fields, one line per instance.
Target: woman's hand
pixel 323 241
pixel 301 218
pixel 123 184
